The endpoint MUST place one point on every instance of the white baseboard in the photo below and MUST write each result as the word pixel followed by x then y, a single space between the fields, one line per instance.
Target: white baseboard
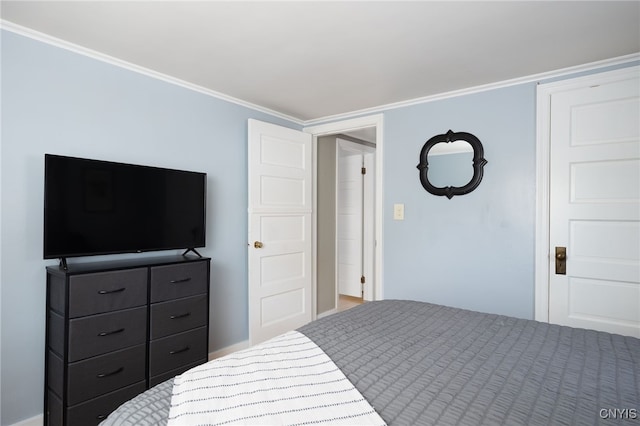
pixel 229 349
pixel 33 421
pixel 327 313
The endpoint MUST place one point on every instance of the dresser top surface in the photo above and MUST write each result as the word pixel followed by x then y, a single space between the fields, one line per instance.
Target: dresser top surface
pixel 83 268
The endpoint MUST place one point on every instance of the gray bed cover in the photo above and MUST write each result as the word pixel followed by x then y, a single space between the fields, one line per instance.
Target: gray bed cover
pixel 423 364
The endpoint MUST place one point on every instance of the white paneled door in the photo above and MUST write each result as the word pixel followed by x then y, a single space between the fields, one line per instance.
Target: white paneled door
pixel 350 223
pixel 280 250
pixel 355 218
pixel 594 203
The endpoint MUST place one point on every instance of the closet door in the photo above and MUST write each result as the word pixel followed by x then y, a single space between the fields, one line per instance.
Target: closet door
pixel 595 204
pixel 350 222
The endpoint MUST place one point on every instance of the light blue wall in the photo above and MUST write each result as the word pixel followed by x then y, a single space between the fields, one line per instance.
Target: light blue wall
pixel 56 101
pixel 473 251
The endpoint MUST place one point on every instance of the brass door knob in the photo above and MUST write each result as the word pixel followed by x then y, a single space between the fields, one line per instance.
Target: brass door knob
pixel 561 260
pixel 257 244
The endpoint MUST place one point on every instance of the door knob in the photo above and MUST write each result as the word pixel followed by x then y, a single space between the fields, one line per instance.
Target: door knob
pixel 561 260
pixel 257 244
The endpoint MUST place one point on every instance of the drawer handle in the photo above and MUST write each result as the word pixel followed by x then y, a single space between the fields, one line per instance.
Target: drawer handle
pixel 180 316
pixel 118 290
pixel 101 416
pixel 113 373
pixel 179 351
pixel 109 333
pixel 183 280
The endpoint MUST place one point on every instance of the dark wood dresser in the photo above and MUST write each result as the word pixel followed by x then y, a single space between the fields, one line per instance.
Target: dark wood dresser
pixel 116 328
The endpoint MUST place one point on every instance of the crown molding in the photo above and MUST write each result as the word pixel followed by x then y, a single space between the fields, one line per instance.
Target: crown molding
pixel 621 60
pixel 45 38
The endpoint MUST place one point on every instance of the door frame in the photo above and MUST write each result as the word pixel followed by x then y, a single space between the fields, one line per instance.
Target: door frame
pixel 543 152
pixel 377 121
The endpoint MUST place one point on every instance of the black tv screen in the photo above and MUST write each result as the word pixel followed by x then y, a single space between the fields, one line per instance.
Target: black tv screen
pixel 96 207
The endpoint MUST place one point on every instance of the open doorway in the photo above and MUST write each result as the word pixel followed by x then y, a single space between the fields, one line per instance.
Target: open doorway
pixel 326 299
pixel 345 220
pixel 267 317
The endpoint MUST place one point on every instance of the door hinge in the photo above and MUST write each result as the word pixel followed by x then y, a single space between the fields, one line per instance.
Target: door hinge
pixel 362 279
pixel 364 170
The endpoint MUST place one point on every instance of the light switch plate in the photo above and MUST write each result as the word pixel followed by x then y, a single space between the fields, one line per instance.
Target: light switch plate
pixel 398 211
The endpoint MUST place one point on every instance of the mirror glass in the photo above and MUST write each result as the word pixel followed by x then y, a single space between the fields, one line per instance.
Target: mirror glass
pixel 450 164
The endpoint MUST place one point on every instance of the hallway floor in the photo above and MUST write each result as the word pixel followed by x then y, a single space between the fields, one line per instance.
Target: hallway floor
pixel 347 302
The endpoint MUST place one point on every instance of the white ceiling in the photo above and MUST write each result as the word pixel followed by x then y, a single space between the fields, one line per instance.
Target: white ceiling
pixel 309 60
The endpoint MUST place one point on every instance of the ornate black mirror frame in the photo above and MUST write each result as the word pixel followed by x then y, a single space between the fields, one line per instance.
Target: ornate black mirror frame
pixel 478 164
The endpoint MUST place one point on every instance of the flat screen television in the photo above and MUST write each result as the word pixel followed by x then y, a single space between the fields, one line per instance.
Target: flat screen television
pixel 94 207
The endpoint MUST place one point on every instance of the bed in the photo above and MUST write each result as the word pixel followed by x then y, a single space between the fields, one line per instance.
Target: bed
pixel 417 363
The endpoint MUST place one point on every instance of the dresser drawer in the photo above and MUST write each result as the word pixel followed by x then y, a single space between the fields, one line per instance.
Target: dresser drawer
pixel 172 352
pixel 173 373
pixel 55 373
pixel 102 374
pixel 53 413
pixel 99 334
pixel 107 291
pixel 176 281
pixel 92 412
pixel 178 315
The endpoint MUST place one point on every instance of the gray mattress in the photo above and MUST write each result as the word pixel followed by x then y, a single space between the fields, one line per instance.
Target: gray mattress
pixel 423 364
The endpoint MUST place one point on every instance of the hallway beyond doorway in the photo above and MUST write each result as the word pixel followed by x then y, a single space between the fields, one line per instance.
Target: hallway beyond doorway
pixel 348 302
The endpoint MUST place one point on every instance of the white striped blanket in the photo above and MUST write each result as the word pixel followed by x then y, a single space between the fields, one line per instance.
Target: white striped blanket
pixel 287 380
